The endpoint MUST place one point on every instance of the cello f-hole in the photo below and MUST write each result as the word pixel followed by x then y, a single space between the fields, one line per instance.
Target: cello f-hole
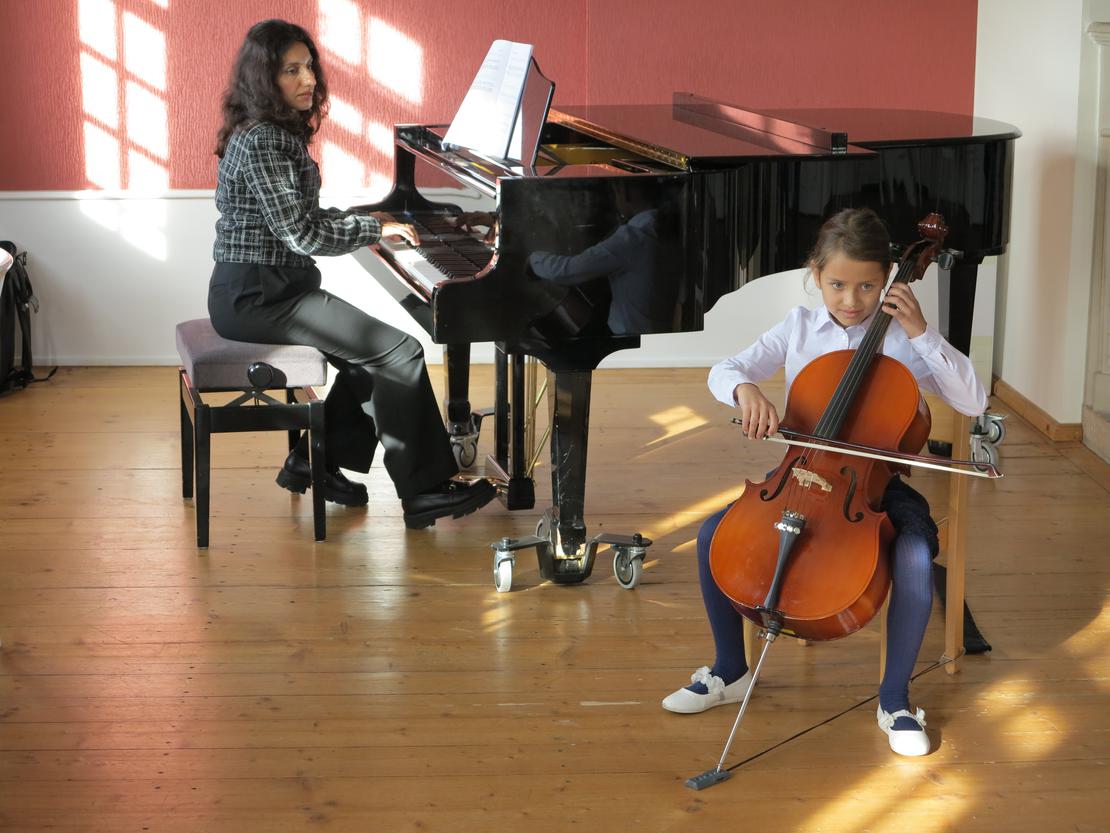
pixel 782 481
pixel 850 472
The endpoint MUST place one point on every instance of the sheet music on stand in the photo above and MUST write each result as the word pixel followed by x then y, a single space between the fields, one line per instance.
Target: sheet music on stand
pixel 503 112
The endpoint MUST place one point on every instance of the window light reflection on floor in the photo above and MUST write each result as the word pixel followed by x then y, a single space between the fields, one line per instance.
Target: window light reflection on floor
pixel 882 800
pixel 677 420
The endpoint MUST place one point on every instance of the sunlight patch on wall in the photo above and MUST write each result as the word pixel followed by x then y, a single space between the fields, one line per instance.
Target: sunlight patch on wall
pixel 380 185
pixel 145 52
pixel 364 46
pixel 99 85
pixel 342 168
pixel 147 120
pixel 103 212
pixel 395 60
pixel 346 115
pixel 96 25
pixel 145 174
pixel 101 157
pixel 341 30
pixel 124 72
pixel 142 224
pixel 380 136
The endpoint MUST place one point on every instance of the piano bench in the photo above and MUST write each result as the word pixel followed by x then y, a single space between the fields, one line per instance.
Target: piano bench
pixel 212 364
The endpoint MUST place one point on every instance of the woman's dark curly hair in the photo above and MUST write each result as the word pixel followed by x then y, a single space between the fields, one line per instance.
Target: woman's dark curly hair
pixel 253 94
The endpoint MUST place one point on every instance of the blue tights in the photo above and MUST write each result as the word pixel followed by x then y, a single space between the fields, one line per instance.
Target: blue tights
pixel 911 602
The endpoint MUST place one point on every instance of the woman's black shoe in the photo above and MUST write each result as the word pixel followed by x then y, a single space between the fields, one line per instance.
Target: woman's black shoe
pixel 296 476
pixel 448 498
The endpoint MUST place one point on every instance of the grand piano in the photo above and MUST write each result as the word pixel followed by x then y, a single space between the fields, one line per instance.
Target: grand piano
pixel 635 220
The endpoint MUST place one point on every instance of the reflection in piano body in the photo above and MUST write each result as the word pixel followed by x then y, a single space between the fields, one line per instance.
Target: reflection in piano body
pixel 636 220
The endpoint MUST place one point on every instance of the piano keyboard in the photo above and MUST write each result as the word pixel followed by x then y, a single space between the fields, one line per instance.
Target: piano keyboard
pixel 444 251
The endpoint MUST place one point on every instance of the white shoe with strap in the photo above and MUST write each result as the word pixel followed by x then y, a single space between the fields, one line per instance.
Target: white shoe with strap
pixel 910 742
pixel 685 701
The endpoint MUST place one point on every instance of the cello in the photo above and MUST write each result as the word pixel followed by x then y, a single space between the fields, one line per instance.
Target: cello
pixel 804 552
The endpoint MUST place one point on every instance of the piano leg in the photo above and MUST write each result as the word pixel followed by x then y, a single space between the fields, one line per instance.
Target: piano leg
pixel 957 303
pixel 463 425
pixel 509 461
pixel 569 434
pixel 565 556
pixel 569 558
pixel 456 357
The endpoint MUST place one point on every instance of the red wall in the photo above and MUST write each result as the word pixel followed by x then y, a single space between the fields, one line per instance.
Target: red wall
pixel 787 53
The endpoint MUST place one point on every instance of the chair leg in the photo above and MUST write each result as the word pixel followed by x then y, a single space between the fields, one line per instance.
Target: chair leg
pixel 202 430
pixel 294 436
pixel 186 443
pixel 751 642
pixel 317 458
pixel 956 552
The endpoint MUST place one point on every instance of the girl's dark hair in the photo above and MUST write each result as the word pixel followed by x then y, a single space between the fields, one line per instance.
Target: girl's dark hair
pixel 857 233
pixel 253 94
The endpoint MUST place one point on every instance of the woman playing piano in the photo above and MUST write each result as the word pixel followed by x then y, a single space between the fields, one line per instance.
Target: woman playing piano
pixel 849 264
pixel 265 286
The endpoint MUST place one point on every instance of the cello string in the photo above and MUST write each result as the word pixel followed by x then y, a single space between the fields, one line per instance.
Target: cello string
pixel 798 496
pixel 872 341
pixel 837 409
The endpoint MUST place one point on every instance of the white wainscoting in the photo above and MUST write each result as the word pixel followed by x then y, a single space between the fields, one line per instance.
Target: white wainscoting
pixel 115 272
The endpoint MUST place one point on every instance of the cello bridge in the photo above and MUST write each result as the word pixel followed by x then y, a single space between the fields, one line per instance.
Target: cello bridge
pixel 806 478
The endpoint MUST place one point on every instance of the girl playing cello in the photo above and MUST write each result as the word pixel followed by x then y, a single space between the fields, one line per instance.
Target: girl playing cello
pixel 849 263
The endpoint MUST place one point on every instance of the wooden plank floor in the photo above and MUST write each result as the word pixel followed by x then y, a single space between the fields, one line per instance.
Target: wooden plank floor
pixel 378 682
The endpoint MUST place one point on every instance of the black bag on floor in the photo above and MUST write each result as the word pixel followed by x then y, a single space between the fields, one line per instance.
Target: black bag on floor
pixel 17 301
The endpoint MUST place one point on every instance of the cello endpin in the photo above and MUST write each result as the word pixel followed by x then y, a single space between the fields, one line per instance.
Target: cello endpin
pixel 708 778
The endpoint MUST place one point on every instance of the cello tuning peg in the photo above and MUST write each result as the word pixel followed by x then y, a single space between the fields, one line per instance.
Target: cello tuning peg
pixel 948 257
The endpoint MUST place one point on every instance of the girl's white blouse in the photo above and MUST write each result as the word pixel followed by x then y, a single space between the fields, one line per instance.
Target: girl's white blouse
pixel 806 334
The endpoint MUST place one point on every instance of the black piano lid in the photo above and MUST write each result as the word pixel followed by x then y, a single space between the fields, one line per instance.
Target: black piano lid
pixel 880 127
pixel 657 125
pixel 424 141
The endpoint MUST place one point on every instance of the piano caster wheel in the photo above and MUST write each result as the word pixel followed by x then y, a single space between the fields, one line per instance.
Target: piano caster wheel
pixel 545 530
pixel 996 428
pixel 465 449
pixel 628 566
pixel 983 452
pixel 503 570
